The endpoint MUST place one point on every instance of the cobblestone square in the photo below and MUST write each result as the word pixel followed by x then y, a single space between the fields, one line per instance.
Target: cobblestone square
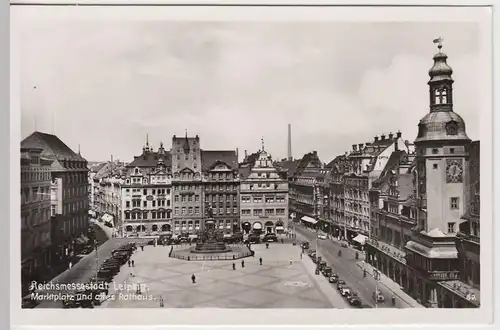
pixel 274 284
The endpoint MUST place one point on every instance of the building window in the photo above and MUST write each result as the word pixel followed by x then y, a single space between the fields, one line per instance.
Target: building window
pixel 257 199
pixel 183 211
pixel 183 199
pixel 245 212
pixel 269 212
pixel 154 203
pixel 452 150
pixel 435 166
pixel 197 198
pixel 127 216
pixel 197 210
pixel 454 203
pixel 257 212
pixel 269 199
pixel 176 211
pixel 127 204
pixel 245 199
pixel 190 210
pixel 176 199
pixel 451 227
pixel 280 211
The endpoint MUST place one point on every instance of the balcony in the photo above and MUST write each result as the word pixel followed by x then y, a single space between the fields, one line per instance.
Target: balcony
pixel 422 203
pixel 444 275
pixel 468 237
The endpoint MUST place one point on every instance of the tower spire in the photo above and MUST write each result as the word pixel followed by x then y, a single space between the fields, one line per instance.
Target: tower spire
pixel 79 149
pixel 441 82
pixel 262 140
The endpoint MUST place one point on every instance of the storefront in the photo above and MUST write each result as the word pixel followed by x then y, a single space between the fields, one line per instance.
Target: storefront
pixel 257 227
pixel 309 222
pixel 280 229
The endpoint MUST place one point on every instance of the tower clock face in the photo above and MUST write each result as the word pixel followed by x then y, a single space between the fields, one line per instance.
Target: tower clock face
pixel 454 171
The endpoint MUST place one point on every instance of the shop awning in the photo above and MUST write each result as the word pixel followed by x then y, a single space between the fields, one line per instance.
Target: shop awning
pixel 309 219
pixel 361 239
pixel 82 239
pixel 228 235
pixel 107 217
pixel 279 228
pixel 257 225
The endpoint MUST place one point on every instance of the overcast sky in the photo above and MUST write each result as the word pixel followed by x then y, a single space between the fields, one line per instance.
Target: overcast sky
pixel 108 84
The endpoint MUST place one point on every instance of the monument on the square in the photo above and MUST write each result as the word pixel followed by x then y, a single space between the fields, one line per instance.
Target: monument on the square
pixel 211 240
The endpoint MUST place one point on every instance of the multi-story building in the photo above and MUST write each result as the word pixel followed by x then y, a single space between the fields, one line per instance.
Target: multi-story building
pixel 393 216
pixel 442 155
pixel 187 184
pixel 221 189
pixel 338 168
pixel 366 162
pixel 110 197
pixel 146 194
pixel 465 292
pixel 263 197
pixel 69 195
pixel 306 196
pixel 35 215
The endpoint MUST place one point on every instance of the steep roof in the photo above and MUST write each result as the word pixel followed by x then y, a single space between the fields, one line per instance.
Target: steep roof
pixel 288 166
pixel 209 157
pixel 310 164
pixel 150 159
pixel 52 146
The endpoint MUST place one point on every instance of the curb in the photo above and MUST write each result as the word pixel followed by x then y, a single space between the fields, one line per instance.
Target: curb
pixel 387 287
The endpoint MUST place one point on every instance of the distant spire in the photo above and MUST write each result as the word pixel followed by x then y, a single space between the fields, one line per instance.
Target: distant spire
pixel 262 139
pixel 147 140
pixel 79 149
pixel 439 41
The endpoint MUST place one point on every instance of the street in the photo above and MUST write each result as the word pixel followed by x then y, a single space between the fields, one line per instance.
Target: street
pixel 347 268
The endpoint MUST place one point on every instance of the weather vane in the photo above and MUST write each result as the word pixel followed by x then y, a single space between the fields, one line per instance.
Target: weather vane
pixel 439 41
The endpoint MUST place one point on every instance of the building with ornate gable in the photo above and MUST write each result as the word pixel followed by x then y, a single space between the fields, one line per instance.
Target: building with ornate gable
pixel 263 197
pixel 146 194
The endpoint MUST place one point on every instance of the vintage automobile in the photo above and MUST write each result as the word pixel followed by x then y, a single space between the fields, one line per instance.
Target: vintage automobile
pixel 354 301
pixel 340 284
pixel 378 296
pixel 270 237
pixel 321 236
pixel 321 265
pixel 333 278
pixel 304 245
pixel 345 291
pixel 253 239
pixel 327 271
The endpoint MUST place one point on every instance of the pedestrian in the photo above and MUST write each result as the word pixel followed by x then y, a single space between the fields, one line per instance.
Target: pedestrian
pixel 234 266
pixel 133 263
pixel 161 301
pixel 129 262
pixel 242 263
pixel 282 241
pixel 393 300
pixel 300 255
pixel 260 261
pixel 70 265
pixel 142 247
pixel 290 261
pixel 193 278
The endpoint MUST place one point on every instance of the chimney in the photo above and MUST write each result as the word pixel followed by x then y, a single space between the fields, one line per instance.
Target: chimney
pixel 315 153
pixel 354 147
pixel 382 137
pixel 290 142
pixel 360 146
pixel 376 139
pixel 236 153
pixel 407 143
pixel 398 134
pixel 246 156
pixel 391 136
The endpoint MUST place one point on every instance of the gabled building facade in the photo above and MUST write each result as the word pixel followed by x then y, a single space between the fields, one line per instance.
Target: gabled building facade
pixel 146 194
pixel 221 190
pixel 263 197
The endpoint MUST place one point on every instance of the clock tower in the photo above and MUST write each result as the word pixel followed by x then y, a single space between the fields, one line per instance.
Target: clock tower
pixel 441 155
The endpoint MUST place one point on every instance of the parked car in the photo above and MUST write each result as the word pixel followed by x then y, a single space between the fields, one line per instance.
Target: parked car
pixel 340 284
pixel 378 296
pixel 345 291
pixel 270 237
pixel 314 259
pixel 354 301
pixel 253 238
pixel 321 236
pixel 327 271
pixel 311 252
pixel 334 278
